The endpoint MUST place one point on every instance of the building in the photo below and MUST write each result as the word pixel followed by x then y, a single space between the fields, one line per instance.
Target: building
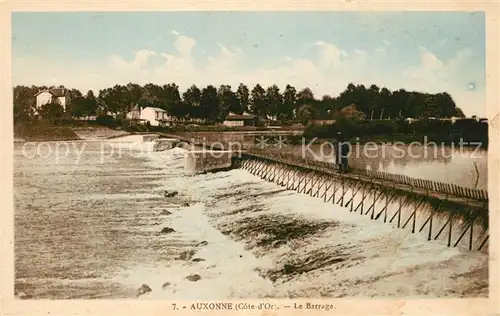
pixel 54 95
pixel 244 119
pixel 155 116
pixel 134 116
pixel 135 113
pixel 323 122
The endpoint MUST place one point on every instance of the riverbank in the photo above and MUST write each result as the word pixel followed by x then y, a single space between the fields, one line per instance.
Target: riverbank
pixel 65 131
pixel 42 131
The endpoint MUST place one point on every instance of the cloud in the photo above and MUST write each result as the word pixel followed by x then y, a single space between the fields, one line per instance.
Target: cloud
pixel 139 62
pixel 184 45
pixel 435 74
pixel 326 69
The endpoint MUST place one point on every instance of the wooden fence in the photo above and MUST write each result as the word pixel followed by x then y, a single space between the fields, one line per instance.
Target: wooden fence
pixel 445 188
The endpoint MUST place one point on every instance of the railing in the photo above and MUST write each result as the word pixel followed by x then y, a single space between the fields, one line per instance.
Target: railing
pixel 445 188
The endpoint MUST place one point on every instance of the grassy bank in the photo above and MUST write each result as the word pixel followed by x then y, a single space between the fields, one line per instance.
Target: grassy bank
pixel 69 130
pixel 42 131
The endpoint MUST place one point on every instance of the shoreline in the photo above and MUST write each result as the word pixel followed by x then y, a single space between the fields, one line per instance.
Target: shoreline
pixel 45 133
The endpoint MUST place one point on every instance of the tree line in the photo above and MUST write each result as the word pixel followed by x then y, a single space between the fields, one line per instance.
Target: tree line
pixel 213 104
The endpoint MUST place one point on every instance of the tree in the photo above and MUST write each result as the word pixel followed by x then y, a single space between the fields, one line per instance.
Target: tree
pixel 350 112
pixel 305 96
pixel 228 101
pixel 243 95
pixel 274 101
pixel 446 105
pixel 24 101
pixel 116 99
pixel 305 114
pixel 91 103
pixel 209 103
pixel 135 93
pixel 153 96
pixel 79 107
pixel 192 99
pixel 385 98
pixel 258 104
pixel 459 112
pixel 289 101
pixel 215 106
pixel 170 100
pixel 52 111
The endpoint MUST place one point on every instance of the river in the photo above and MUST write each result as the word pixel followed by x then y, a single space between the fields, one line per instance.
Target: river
pixel 87 226
pixel 466 166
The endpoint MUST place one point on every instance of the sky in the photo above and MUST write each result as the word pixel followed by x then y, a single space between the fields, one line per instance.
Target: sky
pixel 418 51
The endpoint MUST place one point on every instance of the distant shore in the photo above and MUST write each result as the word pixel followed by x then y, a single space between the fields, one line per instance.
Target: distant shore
pixel 40 132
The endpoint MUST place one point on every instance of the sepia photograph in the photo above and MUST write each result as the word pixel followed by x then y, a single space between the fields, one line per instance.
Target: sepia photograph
pixel 230 155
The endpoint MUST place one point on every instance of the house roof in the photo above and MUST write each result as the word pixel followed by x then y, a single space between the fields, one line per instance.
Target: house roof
pixel 57 92
pixel 136 108
pixel 244 116
pixel 156 109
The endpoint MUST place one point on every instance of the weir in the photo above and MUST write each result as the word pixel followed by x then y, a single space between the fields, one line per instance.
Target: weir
pixel 454 215
pixel 203 161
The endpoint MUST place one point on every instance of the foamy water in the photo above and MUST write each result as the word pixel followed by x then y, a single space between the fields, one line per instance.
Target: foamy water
pixel 92 231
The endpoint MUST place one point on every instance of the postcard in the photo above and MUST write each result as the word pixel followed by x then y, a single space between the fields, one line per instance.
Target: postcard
pixel 273 159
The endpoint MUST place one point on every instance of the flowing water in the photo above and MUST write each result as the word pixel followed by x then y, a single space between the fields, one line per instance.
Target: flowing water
pixel 87 225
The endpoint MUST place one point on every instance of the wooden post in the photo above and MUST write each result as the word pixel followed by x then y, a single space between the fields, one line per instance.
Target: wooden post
pixel 471 232
pixel 483 243
pixel 326 190
pixel 429 220
pixel 386 205
pixel 465 231
pixel 314 177
pixel 414 215
pixel 450 230
pixel 308 179
pixel 351 201
pixel 320 186
pixel 341 199
pixel 335 188
pixel 372 207
pixel 364 195
pixel 384 209
pixel 398 212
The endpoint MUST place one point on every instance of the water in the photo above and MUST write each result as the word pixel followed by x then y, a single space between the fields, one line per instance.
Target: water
pixel 91 230
pixel 467 166
pixel 464 166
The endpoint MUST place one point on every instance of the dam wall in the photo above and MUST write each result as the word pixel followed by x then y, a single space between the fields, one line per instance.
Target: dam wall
pixel 203 161
pixel 161 144
pixel 135 138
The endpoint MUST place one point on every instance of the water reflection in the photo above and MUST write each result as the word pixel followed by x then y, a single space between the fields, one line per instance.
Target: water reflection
pixel 464 166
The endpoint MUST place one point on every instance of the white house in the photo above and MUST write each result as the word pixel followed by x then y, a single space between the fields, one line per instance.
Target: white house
pixel 135 113
pixel 155 116
pixel 54 95
pixel 244 119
